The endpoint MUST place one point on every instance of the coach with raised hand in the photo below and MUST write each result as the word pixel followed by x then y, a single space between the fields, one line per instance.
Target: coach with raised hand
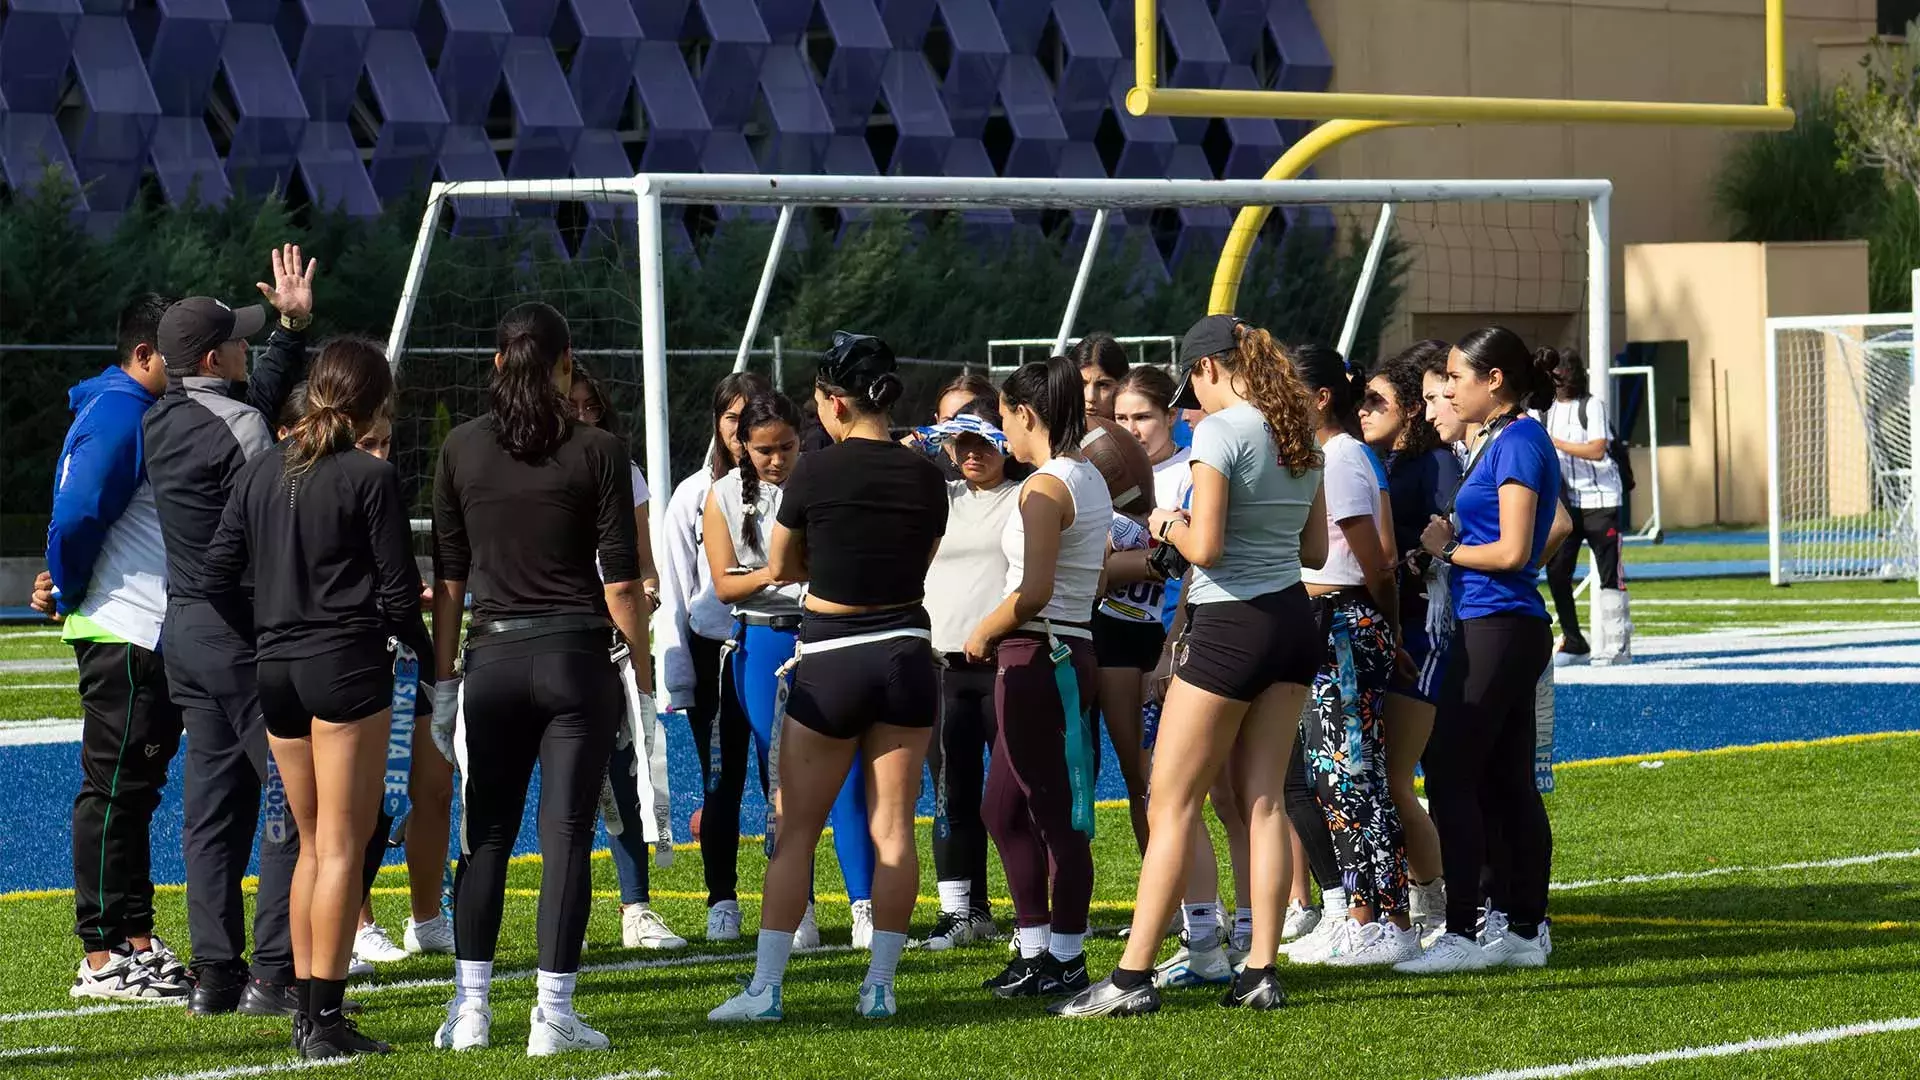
pixel 198 435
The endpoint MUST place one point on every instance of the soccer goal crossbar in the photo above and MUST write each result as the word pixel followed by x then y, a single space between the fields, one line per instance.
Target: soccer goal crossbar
pixel 648 193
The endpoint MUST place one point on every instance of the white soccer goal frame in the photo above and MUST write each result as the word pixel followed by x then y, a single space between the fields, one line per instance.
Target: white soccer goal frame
pixel 1885 321
pixel 649 192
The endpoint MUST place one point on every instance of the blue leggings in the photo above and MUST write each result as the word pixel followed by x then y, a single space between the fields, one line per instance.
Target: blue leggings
pixel 760 652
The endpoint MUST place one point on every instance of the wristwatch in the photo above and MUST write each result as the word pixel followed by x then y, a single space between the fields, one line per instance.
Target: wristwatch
pixel 294 325
pixel 1446 553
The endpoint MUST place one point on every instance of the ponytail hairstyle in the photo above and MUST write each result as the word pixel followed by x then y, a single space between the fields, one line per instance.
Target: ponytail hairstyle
pixel 770 407
pixel 1322 367
pixel 1404 372
pixel 1053 390
pixel 735 386
pixel 1257 362
pixel 349 388
pixel 1099 349
pixel 609 416
pixel 531 417
pixel 1527 378
pixel 860 369
pixel 1151 383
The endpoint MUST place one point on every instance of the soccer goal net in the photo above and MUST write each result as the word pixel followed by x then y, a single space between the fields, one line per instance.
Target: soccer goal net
pixel 670 281
pixel 1840 448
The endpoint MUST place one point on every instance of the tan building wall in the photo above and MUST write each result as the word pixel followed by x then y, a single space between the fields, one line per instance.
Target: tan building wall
pixel 1716 298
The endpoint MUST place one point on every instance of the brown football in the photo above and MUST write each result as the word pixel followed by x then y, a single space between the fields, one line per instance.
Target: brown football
pixel 694 825
pixel 1123 462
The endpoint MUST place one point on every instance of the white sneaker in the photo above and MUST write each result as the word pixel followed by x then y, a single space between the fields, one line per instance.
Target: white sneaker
pixel 807 934
pixel 358 968
pixel 984 928
pixel 1323 942
pixel 552 1035
pixel 1512 950
pixel 863 924
pixel 467 1027
pixel 1205 966
pixel 749 1007
pixel 876 1002
pixel 373 945
pixel 1451 953
pixel 1301 920
pixel 433 936
pixel 723 921
pixel 124 978
pixel 642 928
pixel 1380 944
pixel 1347 936
pixel 1433 933
pixel 1546 938
pixel 1493 927
pixel 950 931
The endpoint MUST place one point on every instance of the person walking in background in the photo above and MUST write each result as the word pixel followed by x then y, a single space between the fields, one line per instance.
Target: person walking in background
pixel 210 422
pixel 1594 493
pixel 106 580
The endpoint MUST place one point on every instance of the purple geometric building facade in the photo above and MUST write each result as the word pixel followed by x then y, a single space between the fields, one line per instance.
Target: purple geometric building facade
pixel 354 103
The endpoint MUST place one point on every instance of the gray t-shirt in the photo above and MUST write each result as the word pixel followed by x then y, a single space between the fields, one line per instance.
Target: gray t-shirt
pixel 1267 507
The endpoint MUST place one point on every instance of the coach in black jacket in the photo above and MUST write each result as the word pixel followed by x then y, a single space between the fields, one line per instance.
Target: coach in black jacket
pixel 207 424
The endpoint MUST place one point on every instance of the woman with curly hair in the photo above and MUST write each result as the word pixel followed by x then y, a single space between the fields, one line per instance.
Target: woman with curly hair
pixel 1248 652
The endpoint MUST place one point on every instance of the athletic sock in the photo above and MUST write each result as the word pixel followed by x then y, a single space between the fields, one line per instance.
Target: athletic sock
pixel 1127 979
pixel 472 980
pixel 556 993
pixel 1032 940
pixel 1333 902
pixel 1242 925
pixel 1065 947
pixel 324 1001
pixel 887 946
pixel 770 965
pixel 956 896
pixel 1203 924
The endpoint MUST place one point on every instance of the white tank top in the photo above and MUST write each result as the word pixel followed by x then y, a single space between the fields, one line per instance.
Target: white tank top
pixel 730 495
pixel 1083 546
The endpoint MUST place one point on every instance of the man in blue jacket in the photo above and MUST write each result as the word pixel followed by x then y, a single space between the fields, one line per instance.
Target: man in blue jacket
pixel 106 577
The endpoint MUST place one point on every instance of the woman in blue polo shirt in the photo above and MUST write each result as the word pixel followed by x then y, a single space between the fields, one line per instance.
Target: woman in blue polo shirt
pixel 1480 760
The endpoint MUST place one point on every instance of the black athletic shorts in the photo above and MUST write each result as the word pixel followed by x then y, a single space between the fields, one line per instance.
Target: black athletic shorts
pixel 841 692
pixel 1238 648
pixel 1122 643
pixel 339 686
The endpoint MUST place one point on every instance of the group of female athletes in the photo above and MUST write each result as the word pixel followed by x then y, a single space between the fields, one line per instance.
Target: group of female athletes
pixel 1354 560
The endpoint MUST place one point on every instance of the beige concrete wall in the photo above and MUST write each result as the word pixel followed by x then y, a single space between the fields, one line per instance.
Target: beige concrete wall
pixel 1717 298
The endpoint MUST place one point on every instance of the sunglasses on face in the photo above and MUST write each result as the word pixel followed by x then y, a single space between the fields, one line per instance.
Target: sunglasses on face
pixel 1374 403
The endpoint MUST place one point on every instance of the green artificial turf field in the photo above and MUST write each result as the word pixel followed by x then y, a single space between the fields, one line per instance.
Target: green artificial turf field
pixel 1740 939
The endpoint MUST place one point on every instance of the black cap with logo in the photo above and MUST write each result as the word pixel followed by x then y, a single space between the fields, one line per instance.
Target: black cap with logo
pixel 1210 336
pixel 199 324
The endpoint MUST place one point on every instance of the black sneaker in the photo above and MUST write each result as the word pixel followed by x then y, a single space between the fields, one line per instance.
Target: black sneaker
pixel 1058 978
pixel 263 998
pixel 340 1039
pixel 216 990
pixel 1020 979
pixel 1255 988
pixel 1105 999
pixel 300 1028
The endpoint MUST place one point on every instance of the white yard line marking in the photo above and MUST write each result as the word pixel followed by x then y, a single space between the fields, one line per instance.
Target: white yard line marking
pixel 40 686
pixel 1693 1053
pixel 1750 601
pixel 89 1010
pixel 47 729
pixel 33 1051
pixel 289 1065
pixel 1722 871
pixel 1651 675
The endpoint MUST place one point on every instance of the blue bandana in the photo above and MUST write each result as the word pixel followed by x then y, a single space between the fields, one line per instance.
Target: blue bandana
pixel 942 433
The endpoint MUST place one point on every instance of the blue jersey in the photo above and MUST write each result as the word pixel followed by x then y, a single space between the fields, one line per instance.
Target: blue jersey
pixel 1518 453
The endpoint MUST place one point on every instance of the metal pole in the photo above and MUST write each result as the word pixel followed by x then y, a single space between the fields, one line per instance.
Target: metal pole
pixel 1775 563
pixel 1913 425
pixel 653 361
pixel 767 273
pixel 416 271
pixel 779 365
pixel 1363 287
pixel 1080 282
pixel 1599 337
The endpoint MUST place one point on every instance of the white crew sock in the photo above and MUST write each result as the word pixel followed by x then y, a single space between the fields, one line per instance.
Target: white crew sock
pixel 1203 924
pixel 1242 927
pixel 1032 940
pixel 887 946
pixel 472 979
pixel 955 896
pixel 556 993
pixel 770 967
pixel 1333 903
pixel 1066 947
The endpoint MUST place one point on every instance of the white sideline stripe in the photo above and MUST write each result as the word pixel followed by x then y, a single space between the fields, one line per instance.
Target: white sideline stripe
pixel 33 1051
pixel 366 990
pixel 47 729
pixel 1694 1053
pixel 253 1070
pixel 1650 675
pixel 1722 871
pixel 1749 601
pixel 39 686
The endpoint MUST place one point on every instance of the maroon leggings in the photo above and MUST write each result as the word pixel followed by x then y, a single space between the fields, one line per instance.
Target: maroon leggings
pixel 1028 808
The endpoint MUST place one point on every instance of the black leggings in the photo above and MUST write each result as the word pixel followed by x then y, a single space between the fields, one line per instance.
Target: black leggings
pixel 1480 768
pixel 956 761
pixel 1600 529
pixel 1309 821
pixel 555 700
pixel 714 703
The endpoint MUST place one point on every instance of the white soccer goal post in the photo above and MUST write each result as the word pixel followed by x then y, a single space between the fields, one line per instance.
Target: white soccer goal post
pixel 1513 260
pixel 1841 447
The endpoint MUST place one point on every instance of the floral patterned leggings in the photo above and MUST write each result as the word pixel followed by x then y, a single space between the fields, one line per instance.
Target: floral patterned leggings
pixel 1345 739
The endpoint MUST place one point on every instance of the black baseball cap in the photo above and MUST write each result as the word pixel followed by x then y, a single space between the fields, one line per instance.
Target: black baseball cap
pixel 1210 336
pixel 198 324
